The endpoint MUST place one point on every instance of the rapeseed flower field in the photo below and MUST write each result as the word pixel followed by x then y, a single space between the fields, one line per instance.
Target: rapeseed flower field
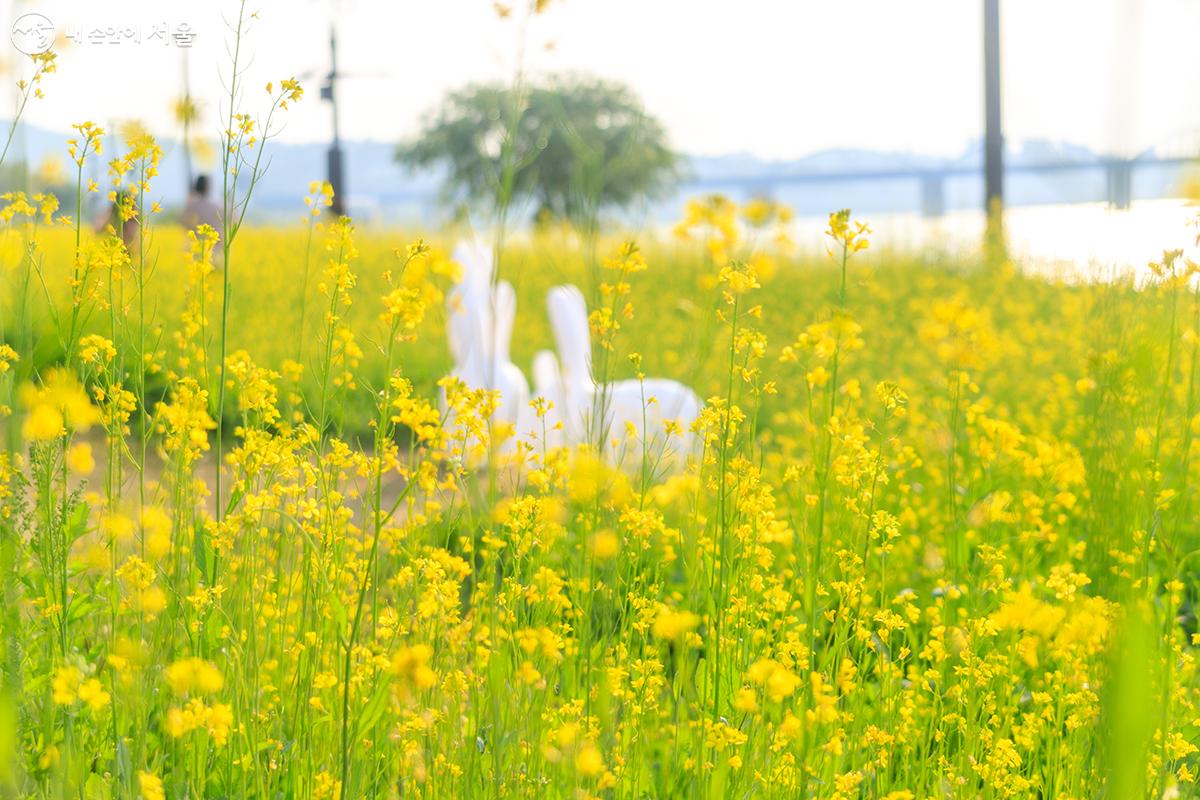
pixel 936 538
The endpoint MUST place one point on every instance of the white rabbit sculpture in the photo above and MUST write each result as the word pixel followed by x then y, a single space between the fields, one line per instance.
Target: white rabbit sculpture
pixel 479 329
pixel 604 412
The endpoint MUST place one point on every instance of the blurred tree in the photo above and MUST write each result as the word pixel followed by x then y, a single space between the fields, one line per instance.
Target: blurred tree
pixel 572 145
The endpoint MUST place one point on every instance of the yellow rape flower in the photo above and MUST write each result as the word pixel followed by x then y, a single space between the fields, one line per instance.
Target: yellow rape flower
pixel 150 786
pixel 674 625
pixel 80 460
pixel 193 676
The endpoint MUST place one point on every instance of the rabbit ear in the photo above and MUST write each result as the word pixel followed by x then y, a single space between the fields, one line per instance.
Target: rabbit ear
pixel 477 260
pixel 546 379
pixel 457 335
pixel 471 366
pixel 568 318
pixel 485 323
pixel 468 319
pixel 504 313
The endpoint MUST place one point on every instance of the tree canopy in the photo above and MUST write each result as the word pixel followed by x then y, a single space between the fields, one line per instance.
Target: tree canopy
pixel 572 145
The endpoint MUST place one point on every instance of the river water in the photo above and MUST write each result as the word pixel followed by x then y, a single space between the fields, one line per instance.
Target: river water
pixel 1088 241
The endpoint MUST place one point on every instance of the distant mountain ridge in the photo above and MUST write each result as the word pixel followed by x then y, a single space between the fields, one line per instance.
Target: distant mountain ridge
pixel 1034 151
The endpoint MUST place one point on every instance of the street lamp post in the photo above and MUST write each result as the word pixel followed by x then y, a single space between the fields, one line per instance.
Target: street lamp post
pixel 993 142
pixel 334 164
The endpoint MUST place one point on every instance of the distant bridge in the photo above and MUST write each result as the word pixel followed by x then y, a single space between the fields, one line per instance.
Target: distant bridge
pixel 932 180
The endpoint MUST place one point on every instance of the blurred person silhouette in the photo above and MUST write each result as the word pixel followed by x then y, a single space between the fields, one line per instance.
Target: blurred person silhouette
pixel 129 228
pixel 200 209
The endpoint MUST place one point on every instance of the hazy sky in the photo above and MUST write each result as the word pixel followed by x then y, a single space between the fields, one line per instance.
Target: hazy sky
pixel 777 78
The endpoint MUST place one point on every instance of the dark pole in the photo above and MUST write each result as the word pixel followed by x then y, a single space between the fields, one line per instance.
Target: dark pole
pixel 336 179
pixel 993 142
